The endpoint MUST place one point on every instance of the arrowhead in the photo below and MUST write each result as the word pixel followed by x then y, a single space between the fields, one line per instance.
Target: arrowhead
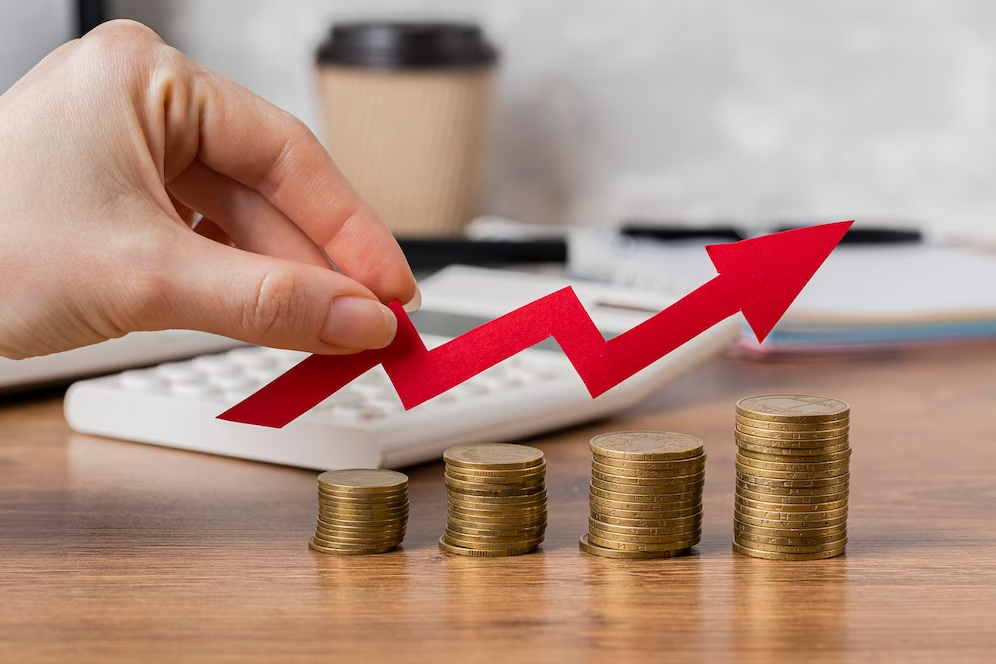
pixel 769 272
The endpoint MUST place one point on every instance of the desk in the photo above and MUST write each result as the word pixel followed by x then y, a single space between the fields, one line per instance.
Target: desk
pixel 113 550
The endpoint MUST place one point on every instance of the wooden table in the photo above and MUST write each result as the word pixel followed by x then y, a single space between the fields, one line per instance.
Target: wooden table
pixel 111 550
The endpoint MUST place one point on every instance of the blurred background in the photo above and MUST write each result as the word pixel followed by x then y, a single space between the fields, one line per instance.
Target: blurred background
pixel 745 111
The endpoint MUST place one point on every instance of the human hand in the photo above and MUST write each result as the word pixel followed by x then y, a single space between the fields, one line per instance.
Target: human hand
pixel 110 146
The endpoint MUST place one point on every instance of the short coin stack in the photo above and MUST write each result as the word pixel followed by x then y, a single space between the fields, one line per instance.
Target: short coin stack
pixel 496 500
pixel 792 477
pixel 360 511
pixel 646 495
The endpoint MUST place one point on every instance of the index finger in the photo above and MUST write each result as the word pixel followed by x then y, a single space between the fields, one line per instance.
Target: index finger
pixel 267 149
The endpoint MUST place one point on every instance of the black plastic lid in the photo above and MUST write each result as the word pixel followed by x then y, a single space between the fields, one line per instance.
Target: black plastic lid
pixel 393 45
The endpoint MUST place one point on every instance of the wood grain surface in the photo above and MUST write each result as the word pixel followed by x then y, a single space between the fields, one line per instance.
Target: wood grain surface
pixel 113 551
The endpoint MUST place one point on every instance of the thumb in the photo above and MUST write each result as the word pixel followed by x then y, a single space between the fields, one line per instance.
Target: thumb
pixel 268 301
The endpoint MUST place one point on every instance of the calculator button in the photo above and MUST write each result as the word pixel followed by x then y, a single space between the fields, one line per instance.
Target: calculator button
pixel 199 390
pixel 252 357
pixel 177 371
pixel 141 380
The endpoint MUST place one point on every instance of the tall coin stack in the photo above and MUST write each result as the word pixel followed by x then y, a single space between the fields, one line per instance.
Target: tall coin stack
pixel 360 511
pixel 496 500
pixel 646 495
pixel 792 477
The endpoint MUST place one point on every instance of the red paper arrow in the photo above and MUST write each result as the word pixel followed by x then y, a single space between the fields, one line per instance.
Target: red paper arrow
pixel 760 277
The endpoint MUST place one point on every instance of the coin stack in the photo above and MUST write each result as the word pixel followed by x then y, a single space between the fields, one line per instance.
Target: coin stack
pixel 496 500
pixel 360 511
pixel 646 495
pixel 792 477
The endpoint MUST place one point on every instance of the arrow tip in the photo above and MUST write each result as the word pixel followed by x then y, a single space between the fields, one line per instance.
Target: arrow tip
pixel 770 271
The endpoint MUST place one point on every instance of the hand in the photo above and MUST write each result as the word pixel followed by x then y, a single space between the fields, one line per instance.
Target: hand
pixel 110 146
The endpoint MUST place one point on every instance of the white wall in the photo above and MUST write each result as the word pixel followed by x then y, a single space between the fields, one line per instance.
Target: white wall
pixel 699 108
pixel 28 31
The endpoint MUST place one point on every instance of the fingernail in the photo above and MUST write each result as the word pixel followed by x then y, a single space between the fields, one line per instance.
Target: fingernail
pixel 414 303
pixel 357 322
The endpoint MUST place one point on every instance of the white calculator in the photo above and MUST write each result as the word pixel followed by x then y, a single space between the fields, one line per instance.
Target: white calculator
pixel 364 425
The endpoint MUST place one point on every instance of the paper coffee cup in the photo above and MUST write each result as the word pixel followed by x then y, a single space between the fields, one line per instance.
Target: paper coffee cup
pixel 406 119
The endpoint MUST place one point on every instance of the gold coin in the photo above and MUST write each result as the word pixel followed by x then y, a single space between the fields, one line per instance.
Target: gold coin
pixel 494 524
pixel 792 475
pixel 481 522
pixel 770 555
pixel 651 532
pixel 781 495
pixel 790 467
pixel 678 480
pixel 500 500
pixel 646 445
pixel 788 524
pixel 498 510
pixel 767 489
pixel 789 507
pixel 359 499
pixel 524 512
pixel 813 446
pixel 523 533
pixel 470 503
pixel 493 456
pixel 394 501
pixel 683 521
pixel 787 452
pixel 474 521
pixel 326 522
pixel 763 477
pixel 662 517
pixel 793 409
pixel 345 546
pixel 783 536
pixel 637 510
pixel 483 553
pixel 782 500
pixel 791 426
pixel 825 436
pixel 652 540
pixel 379 503
pixel 493 546
pixel 524 480
pixel 657 490
pixel 347 552
pixel 474 489
pixel 650 499
pixel 693 464
pixel 779 548
pixel 516 515
pixel 616 471
pixel 781 458
pixel 362 509
pixel 594 550
pixel 793 471
pixel 463 539
pixel 362 517
pixel 363 479
pixel 782 515
pixel 490 483
pixel 759 480
pixel 776 494
pixel 499 472
pixel 361 525
pixel 776 535
pixel 631 546
pixel 334 540
pixel 681 480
